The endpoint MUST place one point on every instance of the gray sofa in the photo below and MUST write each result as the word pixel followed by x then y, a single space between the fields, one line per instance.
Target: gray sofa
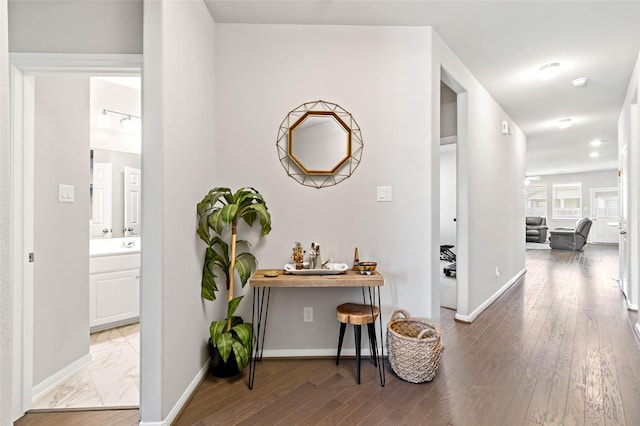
pixel 571 239
pixel 536 229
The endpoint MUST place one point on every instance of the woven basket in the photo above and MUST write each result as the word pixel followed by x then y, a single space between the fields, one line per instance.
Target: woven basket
pixel 414 346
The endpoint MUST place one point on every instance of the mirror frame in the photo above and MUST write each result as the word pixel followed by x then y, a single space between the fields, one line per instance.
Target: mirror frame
pixel 292 142
pixel 319 178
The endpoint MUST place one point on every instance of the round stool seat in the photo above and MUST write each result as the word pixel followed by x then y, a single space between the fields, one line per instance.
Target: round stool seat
pixel 356 313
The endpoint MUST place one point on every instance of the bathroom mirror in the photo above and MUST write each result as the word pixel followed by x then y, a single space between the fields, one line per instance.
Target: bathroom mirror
pixel 319 144
pixel 114 194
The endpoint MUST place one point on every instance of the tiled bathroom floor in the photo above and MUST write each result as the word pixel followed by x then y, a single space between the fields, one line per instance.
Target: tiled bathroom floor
pixel 112 379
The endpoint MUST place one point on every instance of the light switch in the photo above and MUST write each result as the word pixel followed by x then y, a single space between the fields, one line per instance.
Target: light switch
pixel 384 193
pixel 66 193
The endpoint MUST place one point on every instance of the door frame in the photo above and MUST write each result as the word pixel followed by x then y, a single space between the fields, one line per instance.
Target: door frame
pixel 23 66
pixel 462 210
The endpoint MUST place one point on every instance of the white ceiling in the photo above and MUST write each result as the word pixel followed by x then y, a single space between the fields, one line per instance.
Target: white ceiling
pixel 503 43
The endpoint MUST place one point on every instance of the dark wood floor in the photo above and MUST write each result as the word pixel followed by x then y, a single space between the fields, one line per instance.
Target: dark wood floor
pixel 556 349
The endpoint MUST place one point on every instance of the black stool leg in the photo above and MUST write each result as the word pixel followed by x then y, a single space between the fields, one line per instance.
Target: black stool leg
pixel 358 334
pixel 343 327
pixel 373 344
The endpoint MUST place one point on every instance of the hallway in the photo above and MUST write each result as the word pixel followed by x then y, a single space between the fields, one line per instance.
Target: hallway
pixel 557 348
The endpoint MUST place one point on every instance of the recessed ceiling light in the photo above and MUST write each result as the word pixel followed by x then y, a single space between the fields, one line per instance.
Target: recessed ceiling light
pixel 564 123
pixel 549 71
pixel 594 155
pixel 579 82
pixel 596 142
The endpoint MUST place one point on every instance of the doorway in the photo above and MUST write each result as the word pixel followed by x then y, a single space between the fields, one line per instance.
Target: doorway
pixel 605 216
pixel 448 195
pixel 71 193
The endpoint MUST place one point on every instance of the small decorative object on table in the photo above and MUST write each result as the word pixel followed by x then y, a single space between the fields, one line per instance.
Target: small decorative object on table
pixel 366 268
pixel 414 346
pixel 298 255
pixel 356 259
pixel 315 261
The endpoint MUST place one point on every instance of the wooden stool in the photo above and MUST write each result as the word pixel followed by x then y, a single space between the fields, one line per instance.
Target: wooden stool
pixel 358 314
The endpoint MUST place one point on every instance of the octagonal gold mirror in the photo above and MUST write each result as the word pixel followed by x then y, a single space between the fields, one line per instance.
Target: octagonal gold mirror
pixel 319 144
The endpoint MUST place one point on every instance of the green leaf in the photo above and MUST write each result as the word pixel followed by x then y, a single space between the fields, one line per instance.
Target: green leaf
pixel 216 329
pixel 233 305
pixel 224 344
pixel 250 217
pixel 229 213
pixel 241 353
pixel 208 284
pixel 265 218
pixel 244 270
pixel 236 320
pixel 215 221
pixel 243 333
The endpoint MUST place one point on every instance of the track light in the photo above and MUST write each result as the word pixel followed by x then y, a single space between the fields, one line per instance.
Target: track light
pixel 127 122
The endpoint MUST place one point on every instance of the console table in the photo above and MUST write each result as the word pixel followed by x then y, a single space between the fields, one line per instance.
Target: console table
pixel 262 286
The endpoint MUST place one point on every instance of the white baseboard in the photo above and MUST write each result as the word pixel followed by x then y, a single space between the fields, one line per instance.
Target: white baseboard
pixel 182 400
pixel 60 376
pixel 632 307
pixel 470 318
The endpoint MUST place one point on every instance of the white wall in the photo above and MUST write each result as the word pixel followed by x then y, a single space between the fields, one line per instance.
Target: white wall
pixel 6 255
pixel 178 166
pixel 61 270
pixel 629 134
pixel 263 72
pixel 96 26
pixel 490 188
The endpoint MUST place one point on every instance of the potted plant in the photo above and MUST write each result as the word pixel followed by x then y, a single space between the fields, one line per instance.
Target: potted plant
pixel 219 213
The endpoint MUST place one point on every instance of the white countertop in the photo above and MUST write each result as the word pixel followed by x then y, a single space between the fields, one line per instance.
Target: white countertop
pixel 114 246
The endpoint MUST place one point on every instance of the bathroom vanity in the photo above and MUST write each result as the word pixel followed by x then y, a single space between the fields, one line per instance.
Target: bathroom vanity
pixel 114 282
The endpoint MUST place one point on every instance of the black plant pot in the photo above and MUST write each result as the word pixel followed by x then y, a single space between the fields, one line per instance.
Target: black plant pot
pixel 218 367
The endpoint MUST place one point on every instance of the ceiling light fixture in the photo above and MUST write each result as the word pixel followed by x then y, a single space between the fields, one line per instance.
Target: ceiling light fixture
pixel 596 142
pixel 564 123
pixel 126 122
pixel 579 82
pixel 548 71
pixel 594 155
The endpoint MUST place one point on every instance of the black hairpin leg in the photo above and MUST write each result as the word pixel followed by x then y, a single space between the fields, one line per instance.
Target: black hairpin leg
pixel 371 299
pixel 260 312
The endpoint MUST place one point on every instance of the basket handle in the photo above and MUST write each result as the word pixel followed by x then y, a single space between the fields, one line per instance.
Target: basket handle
pixel 425 331
pixel 394 315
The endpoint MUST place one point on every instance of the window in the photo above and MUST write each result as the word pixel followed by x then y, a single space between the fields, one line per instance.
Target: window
pixel 567 201
pixel 536 200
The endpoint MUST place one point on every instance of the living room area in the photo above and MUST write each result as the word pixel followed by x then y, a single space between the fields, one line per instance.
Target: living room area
pixel 555 204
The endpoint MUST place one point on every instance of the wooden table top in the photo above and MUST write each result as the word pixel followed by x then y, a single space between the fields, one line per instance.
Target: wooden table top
pixel 348 279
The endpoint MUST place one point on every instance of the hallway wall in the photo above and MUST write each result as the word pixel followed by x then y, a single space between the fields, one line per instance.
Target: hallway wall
pixel 61 233
pixel 265 71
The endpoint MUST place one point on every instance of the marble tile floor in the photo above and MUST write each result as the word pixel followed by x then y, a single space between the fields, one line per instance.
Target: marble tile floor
pixel 112 379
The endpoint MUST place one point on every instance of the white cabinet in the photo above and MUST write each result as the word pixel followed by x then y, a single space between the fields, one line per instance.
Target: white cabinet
pixel 114 290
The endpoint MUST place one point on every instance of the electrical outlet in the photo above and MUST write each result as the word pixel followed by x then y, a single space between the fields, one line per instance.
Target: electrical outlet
pixel 497 272
pixel 308 314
